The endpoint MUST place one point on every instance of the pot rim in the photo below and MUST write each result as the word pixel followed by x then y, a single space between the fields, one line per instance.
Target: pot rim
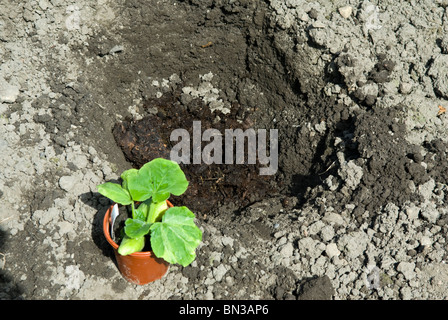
pixel 106 224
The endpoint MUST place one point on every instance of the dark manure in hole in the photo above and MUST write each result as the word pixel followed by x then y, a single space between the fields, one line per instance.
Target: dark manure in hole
pixel 210 184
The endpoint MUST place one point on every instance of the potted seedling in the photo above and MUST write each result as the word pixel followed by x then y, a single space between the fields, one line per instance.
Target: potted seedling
pixel 168 231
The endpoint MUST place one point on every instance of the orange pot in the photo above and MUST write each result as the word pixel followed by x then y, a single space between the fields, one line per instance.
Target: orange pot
pixel 139 267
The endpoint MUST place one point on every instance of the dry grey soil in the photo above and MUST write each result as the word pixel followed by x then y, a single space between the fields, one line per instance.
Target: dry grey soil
pixel 357 207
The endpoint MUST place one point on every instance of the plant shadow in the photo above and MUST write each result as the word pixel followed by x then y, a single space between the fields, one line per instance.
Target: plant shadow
pixel 9 290
pixel 101 205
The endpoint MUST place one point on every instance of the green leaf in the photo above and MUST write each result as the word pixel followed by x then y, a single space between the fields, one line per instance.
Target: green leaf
pixel 157 179
pixel 135 228
pixel 140 214
pixel 161 196
pixel 131 245
pixel 139 186
pixel 125 175
pixel 176 237
pixel 115 192
pixel 142 211
pixel 156 211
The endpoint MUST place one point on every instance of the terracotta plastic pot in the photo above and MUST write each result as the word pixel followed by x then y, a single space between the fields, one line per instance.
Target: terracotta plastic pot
pixel 139 267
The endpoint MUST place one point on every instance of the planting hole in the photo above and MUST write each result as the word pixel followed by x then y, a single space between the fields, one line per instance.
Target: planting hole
pixel 238 81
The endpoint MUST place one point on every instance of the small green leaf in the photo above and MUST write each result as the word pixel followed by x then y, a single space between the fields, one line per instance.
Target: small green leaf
pixel 125 175
pixel 140 214
pixel 131 245
pixel 135 228
pixel 115 192
pixel 156 211
pixel 142 211
pixel 176 237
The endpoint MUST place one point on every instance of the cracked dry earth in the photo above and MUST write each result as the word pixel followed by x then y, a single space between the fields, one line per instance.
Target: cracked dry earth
pixel 356 89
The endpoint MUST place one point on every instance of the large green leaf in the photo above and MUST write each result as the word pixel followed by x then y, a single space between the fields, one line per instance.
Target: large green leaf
pixel 115 192
pixel 139 186
pixel 157 179
pixel 176 237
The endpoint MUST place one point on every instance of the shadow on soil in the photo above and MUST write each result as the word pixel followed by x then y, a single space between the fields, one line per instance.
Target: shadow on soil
pixel 8 288
pixel 97 202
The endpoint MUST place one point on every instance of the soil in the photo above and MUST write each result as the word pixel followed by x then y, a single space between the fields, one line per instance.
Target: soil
pixel 356 90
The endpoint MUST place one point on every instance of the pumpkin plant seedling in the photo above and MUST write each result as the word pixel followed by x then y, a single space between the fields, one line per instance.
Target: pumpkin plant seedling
pixel 172 233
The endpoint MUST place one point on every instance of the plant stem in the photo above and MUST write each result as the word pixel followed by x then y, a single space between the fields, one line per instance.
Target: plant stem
pixel 133 210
